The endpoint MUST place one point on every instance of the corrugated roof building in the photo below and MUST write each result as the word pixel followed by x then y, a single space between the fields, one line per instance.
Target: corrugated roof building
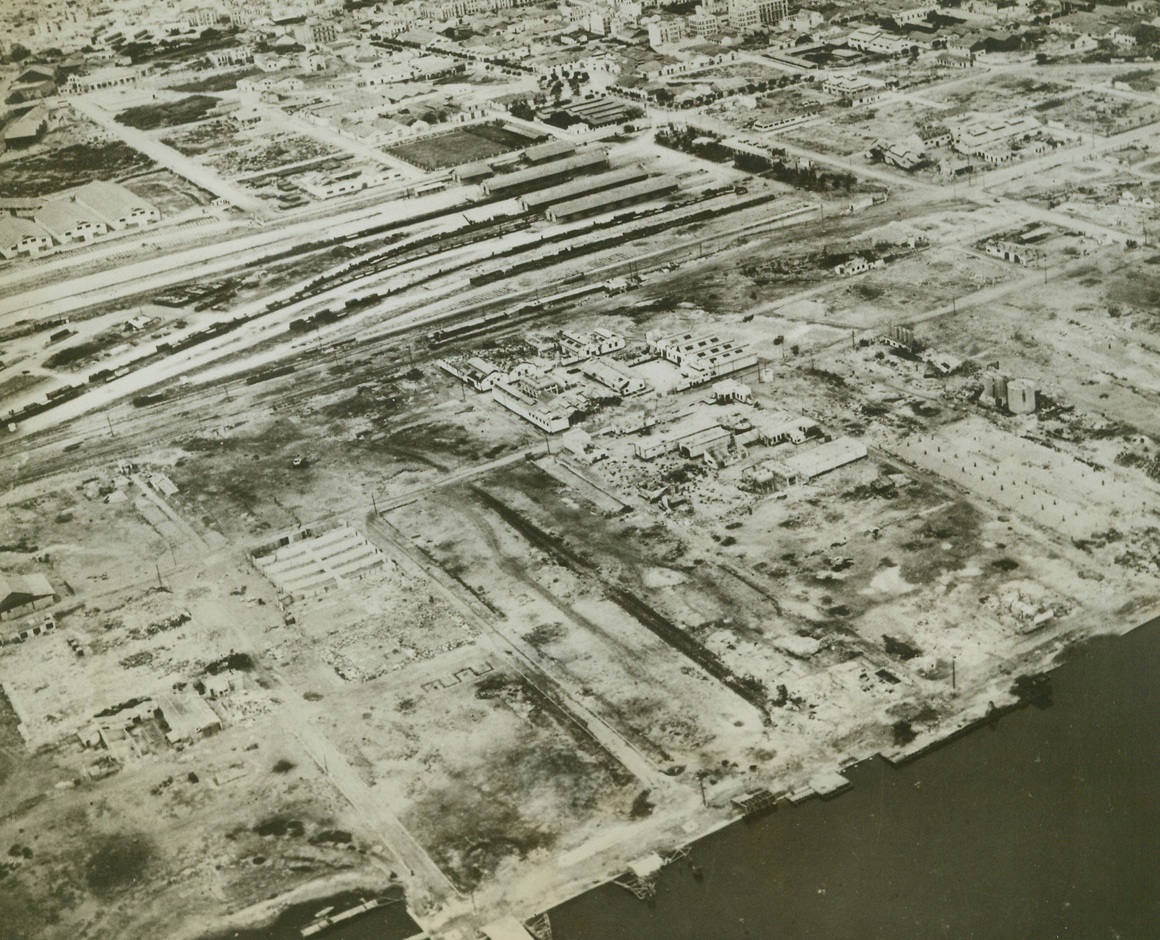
pixel 18 591
pixel 552 150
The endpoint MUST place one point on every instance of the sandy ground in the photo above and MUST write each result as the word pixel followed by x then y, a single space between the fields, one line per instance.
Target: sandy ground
pixel 541 674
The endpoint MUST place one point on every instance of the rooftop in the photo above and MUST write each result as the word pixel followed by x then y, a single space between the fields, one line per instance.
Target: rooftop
pixel 640 190
pixel 111 200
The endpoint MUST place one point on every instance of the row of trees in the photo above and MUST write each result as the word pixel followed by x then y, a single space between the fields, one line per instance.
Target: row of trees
pixel 792 173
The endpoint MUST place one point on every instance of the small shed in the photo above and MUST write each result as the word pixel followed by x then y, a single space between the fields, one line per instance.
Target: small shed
pixel 187 717
pixel 24 591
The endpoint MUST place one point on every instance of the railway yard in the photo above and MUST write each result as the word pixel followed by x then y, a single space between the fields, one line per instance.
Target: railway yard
pixel 472 537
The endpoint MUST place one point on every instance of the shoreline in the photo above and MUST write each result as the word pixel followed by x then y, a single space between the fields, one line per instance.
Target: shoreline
pixel 967 723
pixel 988 705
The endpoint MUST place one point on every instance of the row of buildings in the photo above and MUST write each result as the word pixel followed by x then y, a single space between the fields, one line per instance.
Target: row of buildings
pixel 546 396
pixel 79 216
pixel 700 358
pixel 566 185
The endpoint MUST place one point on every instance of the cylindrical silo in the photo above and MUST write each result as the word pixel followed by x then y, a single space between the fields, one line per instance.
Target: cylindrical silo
pixel 1022 396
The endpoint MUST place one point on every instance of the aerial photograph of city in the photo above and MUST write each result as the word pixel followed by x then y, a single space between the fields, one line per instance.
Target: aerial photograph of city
pixel 579 469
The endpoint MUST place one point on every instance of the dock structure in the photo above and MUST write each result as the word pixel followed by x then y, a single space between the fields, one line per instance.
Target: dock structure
pixel 755 802
pixel 641 877
pixel 642 874
pixel 327 920
pixel 823 785
pixel 540 926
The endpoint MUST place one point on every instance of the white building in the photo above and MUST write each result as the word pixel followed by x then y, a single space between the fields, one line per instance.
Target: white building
pixel 599 342
pixel 857 88
pixel 118 206
pixel 982 137
pixel 872 39
pixel 68 221
pixel 22 237
pixel 665 32
pixel 701 358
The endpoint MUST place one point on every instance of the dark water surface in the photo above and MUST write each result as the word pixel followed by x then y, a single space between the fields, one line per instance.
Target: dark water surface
pixel 1045 824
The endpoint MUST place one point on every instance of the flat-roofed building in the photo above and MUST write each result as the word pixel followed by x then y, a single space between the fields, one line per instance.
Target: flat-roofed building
pixel 665 441
pixel 101 78
pixel 600 341
pixel 699 444
pixel 803 466
pixel 187 716
pixel 545 416
pixel 858 89
pixel 979 138
pixel 666 31
pixel 611 376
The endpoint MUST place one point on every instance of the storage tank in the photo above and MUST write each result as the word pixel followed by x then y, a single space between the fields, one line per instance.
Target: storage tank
pixel 1022 396
pixel 995 388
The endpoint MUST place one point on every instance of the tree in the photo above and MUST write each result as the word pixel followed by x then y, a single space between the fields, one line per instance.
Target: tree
pixel 1146 34
pixel 18 53
pixel 522 110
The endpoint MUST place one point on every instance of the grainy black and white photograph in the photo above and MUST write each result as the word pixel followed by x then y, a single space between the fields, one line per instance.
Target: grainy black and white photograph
pixel 579 469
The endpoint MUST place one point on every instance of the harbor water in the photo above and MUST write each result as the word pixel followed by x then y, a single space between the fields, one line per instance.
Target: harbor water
pixel 1042 824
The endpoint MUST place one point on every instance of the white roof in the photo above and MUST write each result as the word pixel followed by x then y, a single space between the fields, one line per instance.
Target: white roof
pixel 60 215
pixel 825 457
pixel 111 200
pixel 13 230
pixel 649 865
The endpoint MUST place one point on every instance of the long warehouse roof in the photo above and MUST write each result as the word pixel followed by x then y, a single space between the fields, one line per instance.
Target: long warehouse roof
pixel 532 175
pixel 583 186
pixel 594 202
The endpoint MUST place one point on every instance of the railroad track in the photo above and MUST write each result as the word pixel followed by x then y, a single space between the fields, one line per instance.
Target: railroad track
pixel 345 343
